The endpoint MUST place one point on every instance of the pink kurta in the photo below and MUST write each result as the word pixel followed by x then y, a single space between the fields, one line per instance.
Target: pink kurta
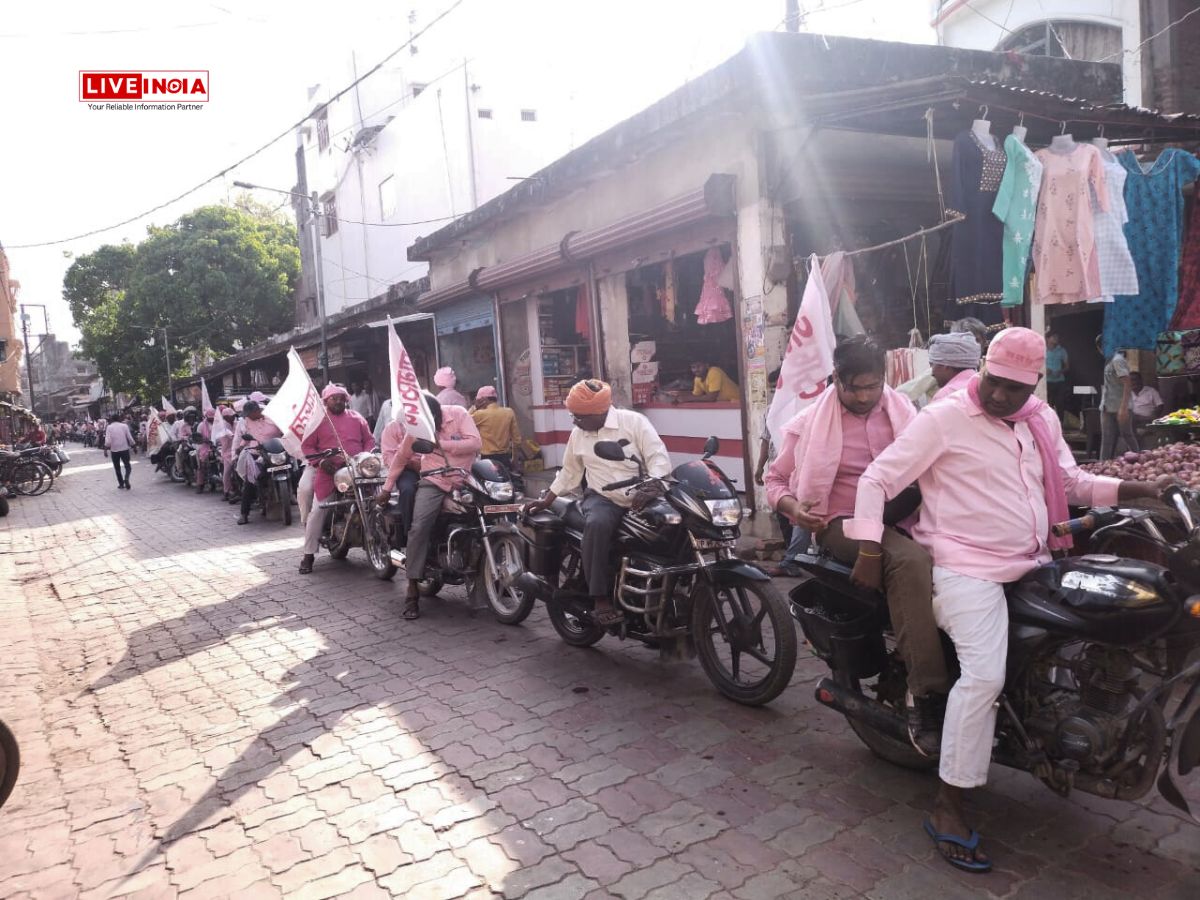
pixel 355 435
pixel 983 507
pixel 1064 239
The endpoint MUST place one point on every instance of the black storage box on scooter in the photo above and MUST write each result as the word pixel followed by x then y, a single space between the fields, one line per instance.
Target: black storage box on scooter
pixel 543 534
pixel 841 627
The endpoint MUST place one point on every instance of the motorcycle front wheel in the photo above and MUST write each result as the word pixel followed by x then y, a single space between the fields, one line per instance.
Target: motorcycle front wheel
pixel 378 544
pixel 508 605
pixel 173 471
pixel 284 495
pixel 745 639
pixel 10 762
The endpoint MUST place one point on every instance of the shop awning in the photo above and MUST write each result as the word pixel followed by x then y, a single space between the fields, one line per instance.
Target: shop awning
pixel 714 199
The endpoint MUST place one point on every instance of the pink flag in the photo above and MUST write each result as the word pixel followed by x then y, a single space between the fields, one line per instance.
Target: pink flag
pixel 408 400
pixel 297 408
pixel 808 359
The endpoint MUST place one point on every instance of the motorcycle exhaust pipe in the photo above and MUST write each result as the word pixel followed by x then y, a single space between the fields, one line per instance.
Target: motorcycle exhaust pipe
pixel 534 586
pixel 854 705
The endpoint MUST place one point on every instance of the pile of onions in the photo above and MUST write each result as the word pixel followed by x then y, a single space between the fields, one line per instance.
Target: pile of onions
pixel 1180 460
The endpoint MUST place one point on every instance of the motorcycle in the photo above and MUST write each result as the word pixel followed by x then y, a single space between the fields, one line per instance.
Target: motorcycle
pixel 164 461
pixel 677 578
pixel 185 462
pixel 10 762
pixel 355 484
pixel 23 475
pixel 275 484
pixel 475 540
pixel 1102 692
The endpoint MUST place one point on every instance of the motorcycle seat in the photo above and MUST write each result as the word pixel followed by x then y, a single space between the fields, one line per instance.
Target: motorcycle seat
pixel 570 511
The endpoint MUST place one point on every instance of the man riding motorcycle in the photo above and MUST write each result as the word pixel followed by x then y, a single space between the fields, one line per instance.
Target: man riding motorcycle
pixel 992 447
pixel 342 430
pixel 596 419
pixel 813 483
pixel 256 428
pixel 457 445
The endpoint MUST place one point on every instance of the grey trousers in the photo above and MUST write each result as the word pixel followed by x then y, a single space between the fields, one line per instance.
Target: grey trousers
pixel 1110 429
pixel 601 519
pixel 426 506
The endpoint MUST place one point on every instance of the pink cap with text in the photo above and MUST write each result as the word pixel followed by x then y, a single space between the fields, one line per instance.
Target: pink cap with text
pixel 1017 354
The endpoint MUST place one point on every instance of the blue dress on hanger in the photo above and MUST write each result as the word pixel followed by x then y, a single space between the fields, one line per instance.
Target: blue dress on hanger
pixel 1154 200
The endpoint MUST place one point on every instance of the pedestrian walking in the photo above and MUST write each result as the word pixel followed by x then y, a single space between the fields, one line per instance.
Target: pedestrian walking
pixel 119 441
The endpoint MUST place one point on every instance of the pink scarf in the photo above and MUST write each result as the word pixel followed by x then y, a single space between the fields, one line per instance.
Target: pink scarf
pixel 1052 480
pixel 819 443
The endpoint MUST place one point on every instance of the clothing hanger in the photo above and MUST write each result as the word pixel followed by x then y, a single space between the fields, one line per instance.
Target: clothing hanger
pixel 1019 130
pixel 982 129
pixel 1100 140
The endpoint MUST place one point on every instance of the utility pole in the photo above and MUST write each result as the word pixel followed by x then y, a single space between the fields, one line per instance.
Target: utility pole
pixel 28 358
pixel 316 241
pixel 167 352
pixel 467 91
pixel 792 18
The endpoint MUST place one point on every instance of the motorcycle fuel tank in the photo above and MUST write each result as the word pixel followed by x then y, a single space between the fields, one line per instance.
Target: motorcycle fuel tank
pixel 1103 598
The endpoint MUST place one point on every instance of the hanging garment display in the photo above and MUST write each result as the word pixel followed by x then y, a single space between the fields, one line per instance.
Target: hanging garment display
pixel 714 305
pixel 1154 197
pixel 1016 206
pixel 1187 312
pixel 1064 242
pixel 666 294
pixel 1118 275
pixel 977 281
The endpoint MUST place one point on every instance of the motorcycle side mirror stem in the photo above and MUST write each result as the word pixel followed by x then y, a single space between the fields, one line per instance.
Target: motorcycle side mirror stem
pixel 420 445
pixel 711 446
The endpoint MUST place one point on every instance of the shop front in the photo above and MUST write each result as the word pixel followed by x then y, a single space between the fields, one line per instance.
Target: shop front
pixel 466 342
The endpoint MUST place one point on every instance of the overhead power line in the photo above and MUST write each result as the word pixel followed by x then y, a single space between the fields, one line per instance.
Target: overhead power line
pixel 221 174
pixel 1156 34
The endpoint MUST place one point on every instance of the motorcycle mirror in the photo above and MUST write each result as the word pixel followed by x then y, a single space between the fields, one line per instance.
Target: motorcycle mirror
pixel 610 450
pixel 711 446
pixel 420 445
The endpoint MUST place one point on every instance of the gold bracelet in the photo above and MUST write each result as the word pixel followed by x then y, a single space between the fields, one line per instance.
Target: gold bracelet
pixel 869 555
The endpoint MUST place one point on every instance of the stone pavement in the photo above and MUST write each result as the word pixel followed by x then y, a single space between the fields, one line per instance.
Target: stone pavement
pixel 198 720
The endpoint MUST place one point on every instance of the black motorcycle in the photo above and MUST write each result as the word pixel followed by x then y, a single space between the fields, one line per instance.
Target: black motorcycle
pixel 10 762
pixel 677 578
pixel 276 486
pixel 475 539
pixel 186 460
pixel 1102 692
pixel 164 461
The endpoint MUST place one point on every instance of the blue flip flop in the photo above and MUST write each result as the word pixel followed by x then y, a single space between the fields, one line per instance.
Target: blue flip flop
pixel 970 843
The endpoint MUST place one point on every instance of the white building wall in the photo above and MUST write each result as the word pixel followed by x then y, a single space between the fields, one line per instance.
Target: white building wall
pixel 416 174
pixel 985 24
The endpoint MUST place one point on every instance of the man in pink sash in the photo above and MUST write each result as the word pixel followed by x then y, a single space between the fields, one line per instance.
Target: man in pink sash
pixel 994 474
pixel 813 482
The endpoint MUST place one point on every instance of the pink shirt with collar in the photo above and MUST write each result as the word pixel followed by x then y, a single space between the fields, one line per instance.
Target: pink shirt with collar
pixel 459 441
pixel 983 510
pixel 957 383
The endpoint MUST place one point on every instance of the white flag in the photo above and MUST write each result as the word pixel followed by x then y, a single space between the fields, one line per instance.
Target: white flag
pixel 808 359
pixel 167 407
pixel 156 431
pixel 408 400
pixel 297 408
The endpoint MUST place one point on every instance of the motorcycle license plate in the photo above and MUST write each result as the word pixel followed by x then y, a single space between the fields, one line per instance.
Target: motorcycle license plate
pixel 704 544
pixel 279 468
pixel 503 508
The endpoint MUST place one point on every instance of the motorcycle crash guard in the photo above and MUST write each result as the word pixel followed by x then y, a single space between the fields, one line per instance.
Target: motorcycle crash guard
pixel 1184 757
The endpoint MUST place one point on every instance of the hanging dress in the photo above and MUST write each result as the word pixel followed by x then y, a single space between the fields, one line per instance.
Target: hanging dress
pixel 1187 312
pixel 1154 197
pixel 714 305
pixel 1016 206
pixel 976 277
pixel 1064 244
pixel 1118 275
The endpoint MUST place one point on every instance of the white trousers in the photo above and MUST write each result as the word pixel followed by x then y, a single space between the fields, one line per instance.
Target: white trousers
pixel 304 492
pixel 313 528
pixel 975 615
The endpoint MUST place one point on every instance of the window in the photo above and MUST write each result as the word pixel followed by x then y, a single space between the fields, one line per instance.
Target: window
pixel 323 129
pixel 329 222
pixel 1077 40
pixel 418 88
pixel 484 113
pixel 529 115
pixel 387 198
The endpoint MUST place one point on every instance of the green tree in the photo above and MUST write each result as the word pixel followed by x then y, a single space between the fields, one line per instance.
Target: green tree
pixel 219 279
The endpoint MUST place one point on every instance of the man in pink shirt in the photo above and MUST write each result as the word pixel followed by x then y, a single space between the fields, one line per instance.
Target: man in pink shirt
pixel 994 474
pixel 396 441
pixel 255 430
pixel 813 482
pixel 343 430
pixel 458 443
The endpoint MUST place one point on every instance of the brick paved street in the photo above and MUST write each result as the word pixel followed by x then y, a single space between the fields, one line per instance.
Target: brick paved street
pixel 198 720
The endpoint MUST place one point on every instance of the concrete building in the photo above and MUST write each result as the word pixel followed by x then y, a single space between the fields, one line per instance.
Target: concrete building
pixel 60 378
pixel 11 346
pixel 1163 73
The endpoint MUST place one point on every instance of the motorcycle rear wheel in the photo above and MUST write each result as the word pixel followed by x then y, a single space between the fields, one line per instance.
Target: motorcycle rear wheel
pixel 508 605
pixel 728 611
pixel 573 630
pixel 10 762
pixel 173 472
pixel 887 748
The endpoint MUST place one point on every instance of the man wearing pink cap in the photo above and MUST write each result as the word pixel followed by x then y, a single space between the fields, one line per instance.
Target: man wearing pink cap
pixel 342 429
pixel 994 474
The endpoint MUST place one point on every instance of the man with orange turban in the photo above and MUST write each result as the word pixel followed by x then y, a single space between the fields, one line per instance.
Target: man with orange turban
pixel 596 419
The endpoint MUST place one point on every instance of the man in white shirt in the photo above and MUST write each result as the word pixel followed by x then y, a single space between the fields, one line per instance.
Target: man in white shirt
pixel 360 401
pixel 596 419
pixel 119 441
pixel 1145 403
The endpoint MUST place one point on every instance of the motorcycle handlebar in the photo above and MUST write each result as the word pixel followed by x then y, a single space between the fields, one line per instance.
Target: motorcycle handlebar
pixel 1075 526
pixel 617 485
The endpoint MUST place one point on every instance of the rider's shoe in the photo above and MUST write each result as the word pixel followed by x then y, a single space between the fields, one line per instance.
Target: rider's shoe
pixel 924 716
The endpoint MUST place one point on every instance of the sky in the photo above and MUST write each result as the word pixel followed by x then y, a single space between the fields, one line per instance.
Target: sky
pixel 67 170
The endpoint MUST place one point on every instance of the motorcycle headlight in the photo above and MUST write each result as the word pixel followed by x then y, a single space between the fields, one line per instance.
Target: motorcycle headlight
pixel 343 480
pixel 369 466
pixel 500 490
pixel 724 512
pixel 278 459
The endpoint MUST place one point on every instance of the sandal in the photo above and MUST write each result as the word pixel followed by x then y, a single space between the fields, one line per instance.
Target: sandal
pixel 306 563
pixel 971 842
pixel 411 608
pixel 607 617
